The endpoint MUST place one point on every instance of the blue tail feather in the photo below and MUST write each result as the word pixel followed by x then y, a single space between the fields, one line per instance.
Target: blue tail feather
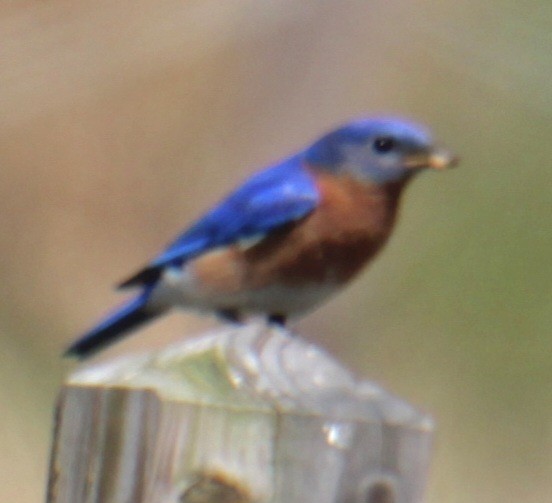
pixel 124 319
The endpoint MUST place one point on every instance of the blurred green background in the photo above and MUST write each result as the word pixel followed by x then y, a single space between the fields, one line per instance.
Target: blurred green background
pixel 121 121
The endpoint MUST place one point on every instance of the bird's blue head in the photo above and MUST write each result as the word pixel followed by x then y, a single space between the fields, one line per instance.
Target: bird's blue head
pixel 378 150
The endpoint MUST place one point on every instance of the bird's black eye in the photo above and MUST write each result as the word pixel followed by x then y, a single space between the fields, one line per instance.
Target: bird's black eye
pixel 384 144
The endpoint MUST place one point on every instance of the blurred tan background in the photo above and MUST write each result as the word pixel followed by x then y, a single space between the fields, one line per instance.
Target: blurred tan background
pixel 121 121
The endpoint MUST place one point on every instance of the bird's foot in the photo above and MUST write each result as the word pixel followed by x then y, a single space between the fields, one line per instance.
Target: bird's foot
pixel 230 315
pixel 277 319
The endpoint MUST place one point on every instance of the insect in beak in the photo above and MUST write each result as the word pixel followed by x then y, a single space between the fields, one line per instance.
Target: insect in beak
pixel 442 159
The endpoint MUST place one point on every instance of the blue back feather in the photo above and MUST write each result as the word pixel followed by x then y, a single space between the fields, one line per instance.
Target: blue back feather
pixel 278 195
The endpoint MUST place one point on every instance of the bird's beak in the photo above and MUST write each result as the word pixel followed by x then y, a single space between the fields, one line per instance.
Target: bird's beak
pixel 442 159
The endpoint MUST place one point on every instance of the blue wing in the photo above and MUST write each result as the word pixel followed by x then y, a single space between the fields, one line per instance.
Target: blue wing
pixel 274 197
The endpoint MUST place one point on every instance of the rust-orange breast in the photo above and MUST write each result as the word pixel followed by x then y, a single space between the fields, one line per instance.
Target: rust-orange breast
pixel 351 224
pixel 330 245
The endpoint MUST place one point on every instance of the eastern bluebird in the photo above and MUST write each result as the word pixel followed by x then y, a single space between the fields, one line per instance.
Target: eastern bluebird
pixel 289 237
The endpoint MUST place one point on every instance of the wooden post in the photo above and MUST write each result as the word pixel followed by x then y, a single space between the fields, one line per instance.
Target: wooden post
pixel 241 415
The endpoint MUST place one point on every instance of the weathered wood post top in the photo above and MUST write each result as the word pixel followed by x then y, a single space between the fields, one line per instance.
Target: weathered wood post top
pixel 240 415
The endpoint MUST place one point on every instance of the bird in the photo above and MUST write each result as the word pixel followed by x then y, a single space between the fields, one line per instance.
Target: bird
pixel 289 237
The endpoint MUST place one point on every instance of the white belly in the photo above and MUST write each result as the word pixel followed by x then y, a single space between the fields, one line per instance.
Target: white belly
pixel 179 288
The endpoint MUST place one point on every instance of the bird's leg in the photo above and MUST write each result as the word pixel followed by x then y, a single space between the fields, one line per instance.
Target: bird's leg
pixel 277 319
pixel 230 315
